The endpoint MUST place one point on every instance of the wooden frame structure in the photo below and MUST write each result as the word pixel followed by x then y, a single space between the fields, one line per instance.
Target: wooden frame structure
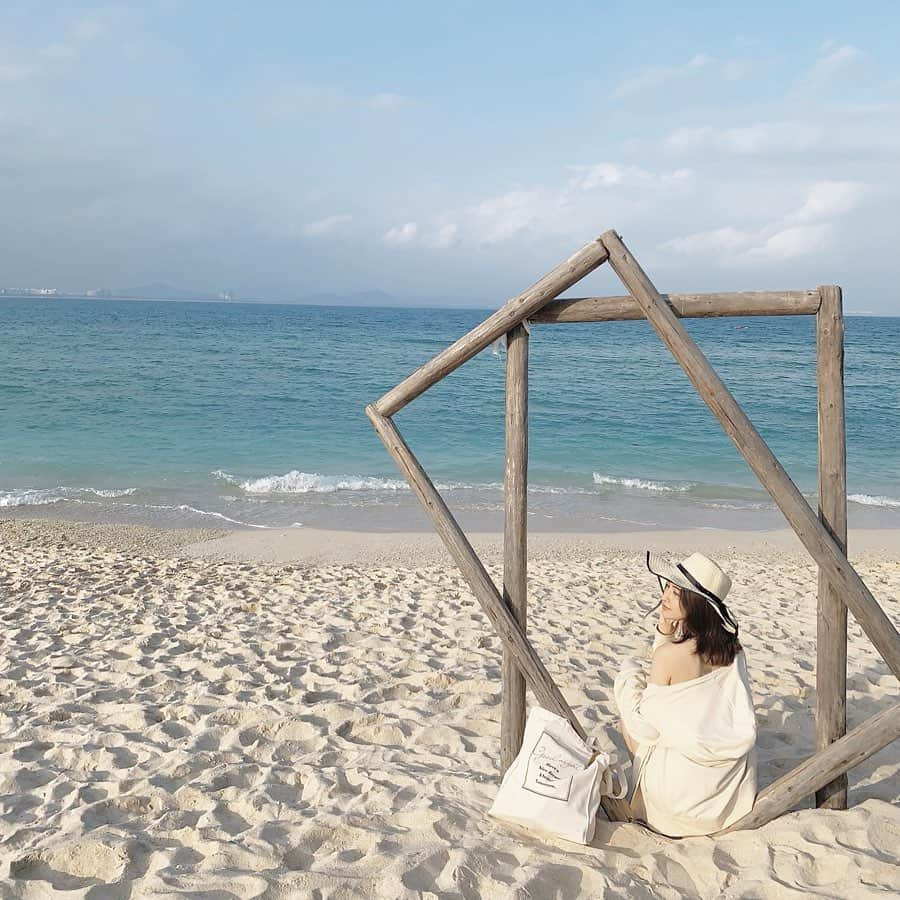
pixel 824 535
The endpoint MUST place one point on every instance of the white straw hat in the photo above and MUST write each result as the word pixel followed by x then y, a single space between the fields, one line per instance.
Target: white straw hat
pixel 697 573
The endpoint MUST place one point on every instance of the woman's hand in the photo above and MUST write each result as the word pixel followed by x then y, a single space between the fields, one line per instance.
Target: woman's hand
pixel 666 626
pixel 670 611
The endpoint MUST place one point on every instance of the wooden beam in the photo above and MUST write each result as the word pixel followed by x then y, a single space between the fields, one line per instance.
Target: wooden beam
pixel 812 533
pixel 503 621
pixel 685 306
pixel 515 538
pixel 821 769
pixel 831 631
pixel 510 314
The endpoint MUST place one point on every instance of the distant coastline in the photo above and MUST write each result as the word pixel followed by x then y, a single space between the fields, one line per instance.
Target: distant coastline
pixel 361 299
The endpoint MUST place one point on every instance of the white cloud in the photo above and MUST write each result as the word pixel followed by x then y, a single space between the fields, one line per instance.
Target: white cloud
pixel 325 226
pixel 593 197
pixel 762 137
pixel 829 198
pixel 744 67
pixel 690 138
pixel 401 235
pixel 720 240
pixel 88 29
pixel 446 236
pixel 500 218
pixel 435 237
pixel 22 65
pixel 659 75
pixel 832 60
pixel 605 175
pixel 801 232
pixel 17 71
pixel 790 243
pixel 385 101
pixel 289 100
pixel 59 52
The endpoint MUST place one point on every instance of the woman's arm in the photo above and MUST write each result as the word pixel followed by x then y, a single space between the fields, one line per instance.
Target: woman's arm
pixel 628 689
pixel 661 667
pixel 665 629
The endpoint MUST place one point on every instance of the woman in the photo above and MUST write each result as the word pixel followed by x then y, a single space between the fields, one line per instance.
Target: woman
pixel 691 729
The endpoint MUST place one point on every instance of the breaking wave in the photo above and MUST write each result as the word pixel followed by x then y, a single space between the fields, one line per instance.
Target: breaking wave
pixel 641 484
pixel 45 496
pixel 295 482
pixel 869 500
pixel 28 498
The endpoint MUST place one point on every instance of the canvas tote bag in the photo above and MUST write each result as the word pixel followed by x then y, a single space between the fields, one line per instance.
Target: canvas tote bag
pixel 555 783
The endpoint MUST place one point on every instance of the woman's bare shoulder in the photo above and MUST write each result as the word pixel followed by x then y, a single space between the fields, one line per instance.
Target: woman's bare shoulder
pixel 672 650
pixel 665 662
pixel 674 661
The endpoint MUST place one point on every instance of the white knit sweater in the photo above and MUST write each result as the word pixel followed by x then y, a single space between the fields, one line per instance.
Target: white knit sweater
pixel 695 766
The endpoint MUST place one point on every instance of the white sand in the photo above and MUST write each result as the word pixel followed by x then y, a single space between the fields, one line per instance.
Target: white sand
pixel 173 725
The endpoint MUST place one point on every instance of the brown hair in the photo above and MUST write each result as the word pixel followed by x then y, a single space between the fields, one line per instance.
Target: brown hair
pixel 715 644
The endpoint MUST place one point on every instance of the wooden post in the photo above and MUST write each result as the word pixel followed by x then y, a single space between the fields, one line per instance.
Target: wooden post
pixel 685 306
pixel 831 634
pixel 821 769
pixel 812 533
pixel 515 537
pixel 514 640
pixel 510 314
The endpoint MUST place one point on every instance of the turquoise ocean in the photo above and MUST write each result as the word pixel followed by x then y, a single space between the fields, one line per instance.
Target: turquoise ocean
pixel 251 415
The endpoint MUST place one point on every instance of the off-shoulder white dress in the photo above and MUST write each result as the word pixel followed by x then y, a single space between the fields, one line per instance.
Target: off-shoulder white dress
pixel 695 765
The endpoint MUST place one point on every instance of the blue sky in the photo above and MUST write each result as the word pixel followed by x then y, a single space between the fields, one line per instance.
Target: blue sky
pixel 449 152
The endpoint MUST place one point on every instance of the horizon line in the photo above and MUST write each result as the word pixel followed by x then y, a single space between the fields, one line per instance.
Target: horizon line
pixel 269 302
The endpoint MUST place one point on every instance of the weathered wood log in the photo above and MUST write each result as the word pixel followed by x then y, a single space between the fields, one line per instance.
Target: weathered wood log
pixel 821 769
pixel 831 630
pixel 515 538
pixel 510 314
pixel 685 306
pixel 504 623
pixel 812 533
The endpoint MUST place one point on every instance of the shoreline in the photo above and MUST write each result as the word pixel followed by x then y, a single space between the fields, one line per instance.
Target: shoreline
pixel 477 511
pixel 314 546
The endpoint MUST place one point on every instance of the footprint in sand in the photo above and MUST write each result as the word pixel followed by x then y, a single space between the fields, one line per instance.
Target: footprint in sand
pixel 75 866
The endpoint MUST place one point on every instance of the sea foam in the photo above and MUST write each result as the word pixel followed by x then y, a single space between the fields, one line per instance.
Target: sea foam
pixel 60 494
pixel 642 484
pixel 27 497
pixel 869 500
pixel 110 492
pixel 295 482
pixel 185 507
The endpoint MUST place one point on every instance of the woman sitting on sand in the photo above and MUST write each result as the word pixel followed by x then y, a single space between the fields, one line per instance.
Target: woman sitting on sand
pixel 691 729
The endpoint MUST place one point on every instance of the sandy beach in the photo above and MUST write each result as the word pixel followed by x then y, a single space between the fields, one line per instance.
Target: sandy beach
pixel 313 714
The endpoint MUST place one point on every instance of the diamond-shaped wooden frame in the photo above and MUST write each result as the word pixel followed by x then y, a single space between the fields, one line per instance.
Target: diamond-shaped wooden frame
pixel 840 586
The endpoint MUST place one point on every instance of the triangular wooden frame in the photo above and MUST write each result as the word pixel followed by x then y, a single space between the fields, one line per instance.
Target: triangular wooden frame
pixel 824 540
